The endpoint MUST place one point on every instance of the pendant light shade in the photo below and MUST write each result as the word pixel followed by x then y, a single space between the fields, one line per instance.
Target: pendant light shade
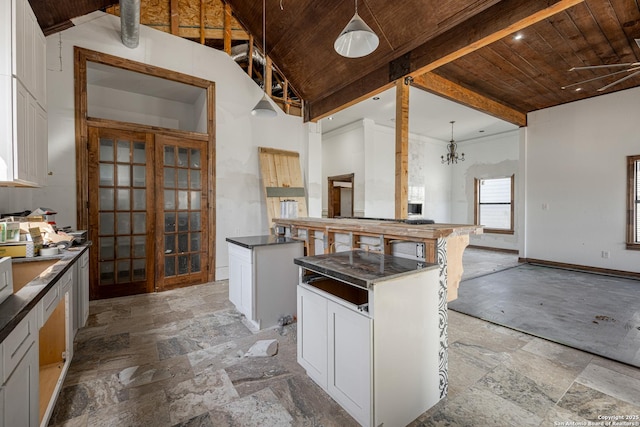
pixel 357 39
pixel 263 108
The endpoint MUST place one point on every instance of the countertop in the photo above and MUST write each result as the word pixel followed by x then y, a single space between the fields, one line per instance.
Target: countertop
pixel 362 268
pixel 18 305
pixel 250 242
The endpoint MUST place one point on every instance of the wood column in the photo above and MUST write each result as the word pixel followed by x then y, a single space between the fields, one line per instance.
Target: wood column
pixel 175 17
pixel 268 77
pixel 402 149
pixel 202 35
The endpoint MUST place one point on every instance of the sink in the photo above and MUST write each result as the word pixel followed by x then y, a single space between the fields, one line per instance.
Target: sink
pixel 24 272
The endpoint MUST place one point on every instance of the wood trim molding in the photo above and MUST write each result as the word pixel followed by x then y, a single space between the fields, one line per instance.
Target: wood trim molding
pixel 135 127
pixel 585 268
pixel 81 56
pixel 502 250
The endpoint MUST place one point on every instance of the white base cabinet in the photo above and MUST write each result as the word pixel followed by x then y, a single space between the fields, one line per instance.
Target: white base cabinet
pixel 81 292
pixel 263 278
pixel 377 351
pixel 21 375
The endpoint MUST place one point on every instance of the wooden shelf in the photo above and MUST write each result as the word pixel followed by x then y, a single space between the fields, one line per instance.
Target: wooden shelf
pixel 49 376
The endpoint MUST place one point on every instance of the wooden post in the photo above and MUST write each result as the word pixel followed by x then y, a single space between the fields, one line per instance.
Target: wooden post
pixel 402 149
pixel 202 35
pixel 268 78
pixel 227 28
pixel 175 17
pixel 250 58
pixel 285 96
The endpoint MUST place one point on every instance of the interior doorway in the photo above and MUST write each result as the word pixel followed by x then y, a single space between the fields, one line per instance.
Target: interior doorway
pixel 340 197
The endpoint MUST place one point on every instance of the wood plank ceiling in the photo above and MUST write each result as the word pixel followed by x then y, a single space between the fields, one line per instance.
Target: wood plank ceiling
pixel 462 49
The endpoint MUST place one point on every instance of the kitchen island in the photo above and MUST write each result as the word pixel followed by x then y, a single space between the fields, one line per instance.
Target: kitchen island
pixel 442 244
pixel 372 332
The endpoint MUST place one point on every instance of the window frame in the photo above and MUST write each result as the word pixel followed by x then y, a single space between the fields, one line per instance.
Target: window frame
pixel 476 213
pixel 632 203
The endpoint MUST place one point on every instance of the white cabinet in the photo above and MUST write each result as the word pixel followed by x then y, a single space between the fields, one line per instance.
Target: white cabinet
pixel 81 293
pixel 263 278
pixel 377 347
pixel 23 116
pixel 312 335
pixel 21 372
pixel 349 350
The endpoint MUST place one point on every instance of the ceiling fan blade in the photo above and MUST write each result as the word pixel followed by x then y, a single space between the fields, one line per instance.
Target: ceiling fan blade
pixel 618 81
pixel 598 78
pixel 595 67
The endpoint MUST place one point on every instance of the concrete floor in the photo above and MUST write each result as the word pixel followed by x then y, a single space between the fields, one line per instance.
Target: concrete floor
pixel 596 313
pixel 175 359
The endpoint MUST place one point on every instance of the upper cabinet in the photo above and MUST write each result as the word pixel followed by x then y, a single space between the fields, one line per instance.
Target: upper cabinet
pixel 23 92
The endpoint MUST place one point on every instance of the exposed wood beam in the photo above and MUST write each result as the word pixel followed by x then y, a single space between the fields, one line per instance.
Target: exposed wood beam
pixel 209 33
pixel 202 7
pixel 175 17
pixel 437 85
pixel 227 28
pixel 402 149
pixel 250 66
pixel 496 22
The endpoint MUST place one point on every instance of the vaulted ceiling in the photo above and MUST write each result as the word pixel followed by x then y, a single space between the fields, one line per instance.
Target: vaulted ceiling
pixel 461 49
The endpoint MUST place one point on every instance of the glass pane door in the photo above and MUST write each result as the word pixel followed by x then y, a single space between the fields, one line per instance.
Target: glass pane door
pixel 182 209
pixel 121 212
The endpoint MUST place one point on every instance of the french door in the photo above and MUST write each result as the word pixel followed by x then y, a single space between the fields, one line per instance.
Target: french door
pixel 147 210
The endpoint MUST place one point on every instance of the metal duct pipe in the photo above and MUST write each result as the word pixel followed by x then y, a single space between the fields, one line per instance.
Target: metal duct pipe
pixel 130 23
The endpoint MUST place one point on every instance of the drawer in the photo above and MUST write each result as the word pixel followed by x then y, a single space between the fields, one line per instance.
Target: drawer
pixel 6 278
pixel 48 303
pixel 17 343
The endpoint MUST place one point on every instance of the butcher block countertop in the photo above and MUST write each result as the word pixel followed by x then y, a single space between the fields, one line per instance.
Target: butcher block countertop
pixel 388 227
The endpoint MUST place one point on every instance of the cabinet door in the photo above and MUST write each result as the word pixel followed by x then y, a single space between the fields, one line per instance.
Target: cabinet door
pixel 21 392
pixel 241 279
pixel 349 376
pixel 235 279
pixel 312 335
pixel 40 146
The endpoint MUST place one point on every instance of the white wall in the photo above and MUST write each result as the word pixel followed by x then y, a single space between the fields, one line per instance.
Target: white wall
pixel 239 200
pixel 576 166
pixel 495 156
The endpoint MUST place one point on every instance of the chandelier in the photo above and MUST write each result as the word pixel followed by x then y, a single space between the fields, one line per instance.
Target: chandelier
pixel 452 155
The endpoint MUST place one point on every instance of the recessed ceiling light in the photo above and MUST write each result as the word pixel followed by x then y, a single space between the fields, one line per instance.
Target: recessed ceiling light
pixel 330 118
pixel 518 37
pixel 376 98
pixel 578 89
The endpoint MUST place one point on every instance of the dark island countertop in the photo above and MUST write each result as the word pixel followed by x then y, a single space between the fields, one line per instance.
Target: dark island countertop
pixel 362 268
pixel 250 242
pixel 18 305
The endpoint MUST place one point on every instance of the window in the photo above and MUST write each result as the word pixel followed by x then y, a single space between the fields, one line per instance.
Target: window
pixel 494 204
pixel 633 203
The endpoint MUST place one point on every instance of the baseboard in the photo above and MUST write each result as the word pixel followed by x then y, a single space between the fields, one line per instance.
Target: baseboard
pixel 585 268
pixel 488 248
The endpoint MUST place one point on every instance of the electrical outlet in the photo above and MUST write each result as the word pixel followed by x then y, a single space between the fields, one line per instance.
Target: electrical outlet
pixel 420 250
pixel 605 254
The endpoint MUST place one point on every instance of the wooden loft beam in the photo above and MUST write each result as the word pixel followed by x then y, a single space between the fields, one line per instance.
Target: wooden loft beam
pixel 402 149
pixel 495 23
pixel 202 39
pixel 435 84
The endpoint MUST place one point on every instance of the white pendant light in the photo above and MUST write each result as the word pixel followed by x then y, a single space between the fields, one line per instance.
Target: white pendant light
pixel 264 108
pixel 357 39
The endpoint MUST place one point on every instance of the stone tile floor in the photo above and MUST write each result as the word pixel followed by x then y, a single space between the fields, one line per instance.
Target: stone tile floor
pixel 175 359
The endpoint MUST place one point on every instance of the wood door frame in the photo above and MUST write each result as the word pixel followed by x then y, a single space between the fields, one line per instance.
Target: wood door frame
pixel 83 121
pixel 338 178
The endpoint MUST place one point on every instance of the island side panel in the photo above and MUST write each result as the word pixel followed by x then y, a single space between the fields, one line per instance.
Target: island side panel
pixel 407 347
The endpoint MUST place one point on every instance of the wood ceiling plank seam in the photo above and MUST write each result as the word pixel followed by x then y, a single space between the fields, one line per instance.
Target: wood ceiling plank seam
pixel 460 72
pixel 628 13
pixel 612 30
pixel 499 91
pixel 592 33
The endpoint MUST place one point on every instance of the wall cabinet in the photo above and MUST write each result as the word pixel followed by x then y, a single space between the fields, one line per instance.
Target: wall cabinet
pixel 356 339
pixel 23 115
pixel 21 372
